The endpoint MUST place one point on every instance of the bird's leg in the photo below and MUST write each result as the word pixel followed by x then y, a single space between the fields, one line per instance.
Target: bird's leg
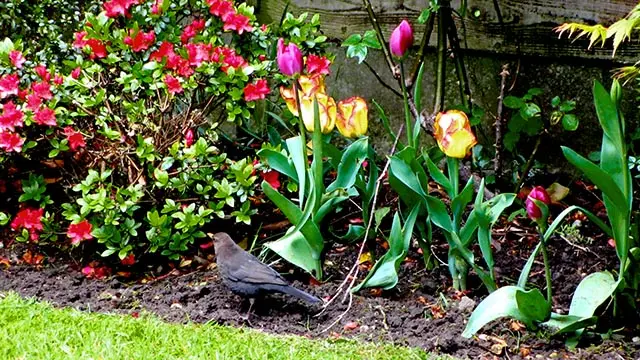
pixel 246 317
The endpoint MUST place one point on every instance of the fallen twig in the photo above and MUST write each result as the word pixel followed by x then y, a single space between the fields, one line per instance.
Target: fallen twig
pixel 350 279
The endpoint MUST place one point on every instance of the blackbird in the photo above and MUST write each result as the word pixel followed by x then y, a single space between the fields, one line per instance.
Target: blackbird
pixel 247 276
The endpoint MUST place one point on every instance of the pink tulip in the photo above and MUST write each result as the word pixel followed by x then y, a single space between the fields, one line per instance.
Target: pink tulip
pixel 540 194
pixel 401 39
pixel 289 58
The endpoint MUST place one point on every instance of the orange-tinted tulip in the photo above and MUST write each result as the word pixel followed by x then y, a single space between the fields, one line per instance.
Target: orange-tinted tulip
pixel 453 133
pixel 327 110
pixel 353 117
pixel 309 85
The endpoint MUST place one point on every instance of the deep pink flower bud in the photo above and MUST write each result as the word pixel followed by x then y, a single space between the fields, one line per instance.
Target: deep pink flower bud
pixel 540 194
pixel 401 39
pixel 289 58
pixel 188 138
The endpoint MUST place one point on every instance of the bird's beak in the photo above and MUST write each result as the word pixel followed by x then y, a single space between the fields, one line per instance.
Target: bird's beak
pixel 211 236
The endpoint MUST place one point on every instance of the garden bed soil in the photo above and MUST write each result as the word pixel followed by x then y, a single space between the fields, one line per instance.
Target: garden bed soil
pixel 421 312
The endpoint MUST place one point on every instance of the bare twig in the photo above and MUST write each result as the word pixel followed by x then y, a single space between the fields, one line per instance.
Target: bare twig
pixel 497 166
pixel 381 81
pixel 461 70
pixel 428 29
pixel 376 27
pixel 350 279
pixel 443 13
pixel 529 163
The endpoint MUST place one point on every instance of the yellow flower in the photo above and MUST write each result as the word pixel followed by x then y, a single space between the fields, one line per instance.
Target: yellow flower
pixel 352 118
pixel 453 133
pixel 309 85
pixel 327 109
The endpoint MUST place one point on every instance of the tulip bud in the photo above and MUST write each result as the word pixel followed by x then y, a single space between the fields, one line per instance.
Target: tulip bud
pixel 352 120
pixel 616 92
pixel 453 134
pixel 401 39
pixel 289 58
pixel 540 194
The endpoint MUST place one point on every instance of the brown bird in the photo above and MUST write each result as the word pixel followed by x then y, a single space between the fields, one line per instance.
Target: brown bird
pixel 247 276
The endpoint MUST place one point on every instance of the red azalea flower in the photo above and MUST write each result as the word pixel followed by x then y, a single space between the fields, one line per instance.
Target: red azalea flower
pixel 9 85
pixel 42 90
pixel 11 142
pixel 173 84
pixel 33 102
pixel 80 231
pixel 17 59
pixel 128 261
pixel 141 41
pixel 165 49
pixel 29 219
pixel 256 91
pixel 80 40
pixel 188 138
pixel 183 69
pixel 221 8
pixel 115 8
pixel 192 30
pixel 318 65
pixel 11 117
pixel 198 53
pixel 272 177
pixel 75 74
pixel 22 94
pixel 228 58
pixel 237 22
pixel 43 73
pixel 75 138
pixel 45 116
pixel 93 271
pixel 98 50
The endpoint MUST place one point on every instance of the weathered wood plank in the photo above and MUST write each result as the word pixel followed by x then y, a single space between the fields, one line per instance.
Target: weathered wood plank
pixel 526 28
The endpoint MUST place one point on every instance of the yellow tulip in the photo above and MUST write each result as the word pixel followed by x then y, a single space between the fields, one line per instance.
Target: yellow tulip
pixel 309 85
pixel 352 120
pixel 327 109
pixel 453 133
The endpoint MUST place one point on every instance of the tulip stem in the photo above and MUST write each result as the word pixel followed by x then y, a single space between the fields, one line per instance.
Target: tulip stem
pixel 378 30
pixel 303 138
pixel 407 113
pixel 453 168
pixel 547 270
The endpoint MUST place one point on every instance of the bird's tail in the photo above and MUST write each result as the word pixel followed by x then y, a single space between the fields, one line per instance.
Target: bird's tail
pixel 300 294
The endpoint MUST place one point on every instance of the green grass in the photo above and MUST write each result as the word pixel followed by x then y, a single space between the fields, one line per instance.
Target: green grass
pixel 35 330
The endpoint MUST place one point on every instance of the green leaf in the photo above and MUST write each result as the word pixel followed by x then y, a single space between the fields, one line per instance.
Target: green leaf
pixel 295 248
pixel 603 180
pixel 380 214
pixel 353 39
pixel 592 292
pixel 384 273
pixel 350 164
pixel 370 39
pixel 509 301
pixel 513 102
pixel 529 110
pixel 278 162
pixel 570 122
pixel 438 176
pixel 569 323
pixel 298 154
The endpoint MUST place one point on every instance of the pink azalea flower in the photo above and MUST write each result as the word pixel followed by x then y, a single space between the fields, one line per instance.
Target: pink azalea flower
pixel 256 91
pixel 17 59
pixel 173 84
pixel 75 138
pixel 80 231
pixel 11 142
pixel 45 116
pixel 9 85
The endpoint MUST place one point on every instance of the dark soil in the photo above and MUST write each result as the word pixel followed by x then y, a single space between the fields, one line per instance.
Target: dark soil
pixel 421 312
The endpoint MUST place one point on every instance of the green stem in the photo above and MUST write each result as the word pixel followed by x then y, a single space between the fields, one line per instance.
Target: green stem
pixel 453 168
pixel 303 134
pixel 454 41
pixel 547 272
pixel 318 183
pixel 407 113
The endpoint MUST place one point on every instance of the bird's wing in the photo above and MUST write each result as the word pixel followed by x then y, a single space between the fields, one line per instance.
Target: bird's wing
pixel 251 270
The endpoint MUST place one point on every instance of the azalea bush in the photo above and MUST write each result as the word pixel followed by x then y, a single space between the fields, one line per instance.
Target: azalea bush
pixel 128 129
